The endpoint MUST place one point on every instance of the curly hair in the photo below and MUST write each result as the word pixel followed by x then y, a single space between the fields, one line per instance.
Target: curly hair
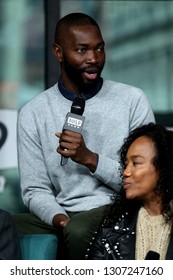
pixel 163 162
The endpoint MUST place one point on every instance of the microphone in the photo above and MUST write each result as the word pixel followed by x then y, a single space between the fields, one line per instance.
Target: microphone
pixel 151 255
pixel 74 120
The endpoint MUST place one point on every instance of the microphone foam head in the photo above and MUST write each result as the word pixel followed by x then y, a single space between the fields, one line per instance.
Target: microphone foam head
pixel 151 255
pixel 78 106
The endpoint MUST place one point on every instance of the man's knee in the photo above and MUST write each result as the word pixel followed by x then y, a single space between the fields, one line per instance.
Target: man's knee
pixel 84 224
pixel 75 228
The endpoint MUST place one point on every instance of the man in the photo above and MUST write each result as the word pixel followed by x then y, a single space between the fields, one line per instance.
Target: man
pixel 73 198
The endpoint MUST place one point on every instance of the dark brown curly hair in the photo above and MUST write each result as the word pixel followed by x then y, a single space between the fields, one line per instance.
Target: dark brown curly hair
pixel 163 141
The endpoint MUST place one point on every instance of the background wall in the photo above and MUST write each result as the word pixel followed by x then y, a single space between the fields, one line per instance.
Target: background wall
pixel 21 78
pixel 139 47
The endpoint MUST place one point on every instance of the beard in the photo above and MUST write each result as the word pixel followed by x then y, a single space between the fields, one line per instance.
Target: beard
pixel 75 76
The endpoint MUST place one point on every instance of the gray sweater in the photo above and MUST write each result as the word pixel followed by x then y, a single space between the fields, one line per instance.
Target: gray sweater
pixel 49 188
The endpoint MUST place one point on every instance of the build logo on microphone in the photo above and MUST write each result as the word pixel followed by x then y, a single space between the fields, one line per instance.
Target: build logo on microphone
pixel 74 122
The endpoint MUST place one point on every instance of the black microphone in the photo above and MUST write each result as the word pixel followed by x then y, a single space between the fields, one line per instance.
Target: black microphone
pixel 74 120
pixel 151 255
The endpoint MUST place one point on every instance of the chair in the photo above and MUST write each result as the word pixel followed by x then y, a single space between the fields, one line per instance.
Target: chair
pixel 38 246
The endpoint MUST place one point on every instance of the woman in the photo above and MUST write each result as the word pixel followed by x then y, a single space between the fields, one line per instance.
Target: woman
pixel 139 222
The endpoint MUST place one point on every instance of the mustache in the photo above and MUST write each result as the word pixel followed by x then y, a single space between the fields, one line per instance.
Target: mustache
pixel 91 69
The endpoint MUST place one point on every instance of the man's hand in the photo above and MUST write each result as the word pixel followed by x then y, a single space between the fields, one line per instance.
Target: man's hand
pixel 60 220
pixel 72 145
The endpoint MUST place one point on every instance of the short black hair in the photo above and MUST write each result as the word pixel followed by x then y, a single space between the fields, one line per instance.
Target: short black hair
pixel 73 19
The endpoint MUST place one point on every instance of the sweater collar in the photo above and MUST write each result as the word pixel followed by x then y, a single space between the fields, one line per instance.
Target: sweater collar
pixel 87 95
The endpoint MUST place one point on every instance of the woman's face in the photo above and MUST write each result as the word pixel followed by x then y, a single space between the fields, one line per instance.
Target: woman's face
pixel 140 175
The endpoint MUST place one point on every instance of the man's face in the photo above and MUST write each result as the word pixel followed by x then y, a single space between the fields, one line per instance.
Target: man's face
pixel 83 57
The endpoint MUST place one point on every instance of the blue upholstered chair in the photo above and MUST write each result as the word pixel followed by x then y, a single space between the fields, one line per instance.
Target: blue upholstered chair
pixel 38 247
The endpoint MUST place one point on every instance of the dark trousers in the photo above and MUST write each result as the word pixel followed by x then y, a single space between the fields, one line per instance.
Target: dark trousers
pixel 74 239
